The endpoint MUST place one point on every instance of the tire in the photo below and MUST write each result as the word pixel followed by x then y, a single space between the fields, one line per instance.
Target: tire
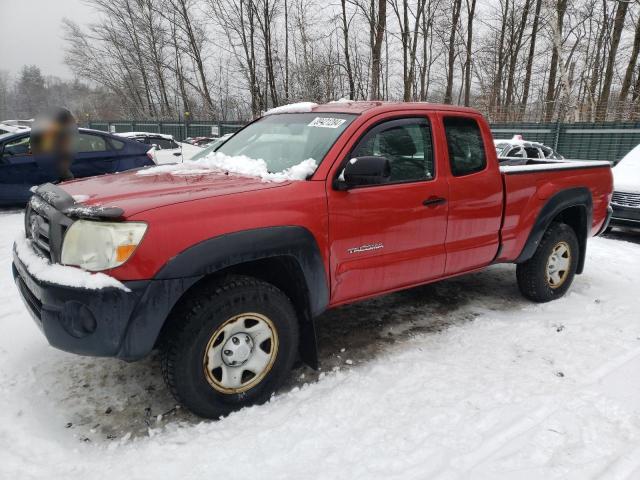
pixel 231 344
pixel 533 279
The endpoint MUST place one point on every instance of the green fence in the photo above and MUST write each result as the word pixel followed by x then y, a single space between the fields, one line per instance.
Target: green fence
pixel 586 141
pixel 180 130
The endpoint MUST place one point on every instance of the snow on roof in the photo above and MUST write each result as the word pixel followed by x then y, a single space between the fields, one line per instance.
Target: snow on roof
pixel 241 165
pixel 13 128
pixel 57 274
pixel 301 107
pixel 144 134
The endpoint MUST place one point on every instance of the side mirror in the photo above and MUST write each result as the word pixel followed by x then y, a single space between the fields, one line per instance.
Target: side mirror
pixel 362 171
pixel 156 146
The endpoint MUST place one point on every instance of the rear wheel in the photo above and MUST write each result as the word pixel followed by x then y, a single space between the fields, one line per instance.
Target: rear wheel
pixel 549 273
pixel 232 345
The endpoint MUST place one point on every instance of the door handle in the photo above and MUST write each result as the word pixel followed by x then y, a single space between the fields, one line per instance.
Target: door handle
pixel 432 201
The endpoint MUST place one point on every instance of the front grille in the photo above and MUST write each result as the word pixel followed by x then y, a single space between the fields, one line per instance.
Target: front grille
pixel 626 199
pixel 45 225
pixel 39 229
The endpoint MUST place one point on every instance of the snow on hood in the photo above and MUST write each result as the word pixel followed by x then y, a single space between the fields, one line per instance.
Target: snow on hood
pixel 61 274
pixel 241 165
pixel 626 174
pixel 301 107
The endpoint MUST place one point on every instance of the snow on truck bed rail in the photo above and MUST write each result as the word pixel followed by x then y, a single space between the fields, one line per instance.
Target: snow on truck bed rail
pixel 553 165
pixel 62 275
pixel 241 165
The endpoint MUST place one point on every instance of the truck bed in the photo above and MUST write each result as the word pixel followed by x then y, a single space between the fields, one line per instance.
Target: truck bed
pixel 531 185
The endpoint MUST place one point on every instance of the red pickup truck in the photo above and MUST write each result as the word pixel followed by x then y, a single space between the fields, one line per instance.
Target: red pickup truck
pixel 225 263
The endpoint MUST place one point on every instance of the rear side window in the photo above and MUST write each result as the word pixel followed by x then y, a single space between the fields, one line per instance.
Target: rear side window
pixel 163 143
pixel 86 143
pixel 466 149
pixel 117 144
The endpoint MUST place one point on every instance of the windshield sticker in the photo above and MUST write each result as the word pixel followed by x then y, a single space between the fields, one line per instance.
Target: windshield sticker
pixel 326 122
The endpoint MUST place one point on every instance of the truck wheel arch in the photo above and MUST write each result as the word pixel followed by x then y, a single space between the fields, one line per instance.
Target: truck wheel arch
pixel 573 206
pixel 286 256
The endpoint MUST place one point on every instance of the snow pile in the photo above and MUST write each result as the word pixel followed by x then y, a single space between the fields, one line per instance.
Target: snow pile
pixel 63 275
pixel 240 164
pixel 342 100
pixel 301 107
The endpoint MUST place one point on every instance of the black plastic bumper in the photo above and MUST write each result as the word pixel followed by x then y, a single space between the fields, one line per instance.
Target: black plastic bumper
pixel 625 216
pixel 108 322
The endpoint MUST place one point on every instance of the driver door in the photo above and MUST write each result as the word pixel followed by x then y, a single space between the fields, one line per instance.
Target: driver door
pixel 384 237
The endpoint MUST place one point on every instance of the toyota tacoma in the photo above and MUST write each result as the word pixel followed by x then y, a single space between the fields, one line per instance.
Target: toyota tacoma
pixel 225 263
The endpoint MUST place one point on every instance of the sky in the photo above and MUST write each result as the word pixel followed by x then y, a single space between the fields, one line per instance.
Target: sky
pixel 31 33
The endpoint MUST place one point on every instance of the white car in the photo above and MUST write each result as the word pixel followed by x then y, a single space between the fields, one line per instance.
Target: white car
pixel 212 147
pixel 626 191
pixel 165 148
pixel 517 147
pixel 15 126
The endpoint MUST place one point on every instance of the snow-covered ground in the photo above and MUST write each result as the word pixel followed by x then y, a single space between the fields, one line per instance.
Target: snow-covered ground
pixel 461 379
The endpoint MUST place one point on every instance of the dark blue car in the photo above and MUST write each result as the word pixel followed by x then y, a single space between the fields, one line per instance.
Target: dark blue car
pixel 96 153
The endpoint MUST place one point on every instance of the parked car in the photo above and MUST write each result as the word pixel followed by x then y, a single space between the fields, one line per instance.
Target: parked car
pixel 517 148
pixel 165 148
pixel 212 147
pixel 96 153
pixel 226 272
pixel 626 191
pixel 15 126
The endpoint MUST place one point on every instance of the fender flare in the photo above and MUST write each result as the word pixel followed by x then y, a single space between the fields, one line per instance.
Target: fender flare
pixel 218 253
pixel 572 197
pixel 215 254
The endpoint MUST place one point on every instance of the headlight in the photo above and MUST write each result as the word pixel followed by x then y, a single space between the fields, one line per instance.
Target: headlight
pixel 100 245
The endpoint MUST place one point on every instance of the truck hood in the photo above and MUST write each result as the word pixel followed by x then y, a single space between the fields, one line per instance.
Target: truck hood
pixel 136 193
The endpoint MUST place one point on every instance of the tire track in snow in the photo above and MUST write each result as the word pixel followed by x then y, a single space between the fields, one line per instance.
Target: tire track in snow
pixel 625 467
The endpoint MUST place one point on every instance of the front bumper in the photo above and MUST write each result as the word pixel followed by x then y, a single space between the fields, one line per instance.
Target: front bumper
pixel 625 216
pixel 108 322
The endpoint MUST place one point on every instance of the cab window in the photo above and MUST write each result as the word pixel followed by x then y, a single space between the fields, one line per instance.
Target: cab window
pixel 406 143
pixel 465 145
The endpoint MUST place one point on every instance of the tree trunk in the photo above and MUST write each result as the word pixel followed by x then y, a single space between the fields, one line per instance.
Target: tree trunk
pixel 347 57
pixel 471 9
pixel 618 26
pixel 561 8
pixel 455 16
pixel 532 51
pixel 376 51
pixel 631 66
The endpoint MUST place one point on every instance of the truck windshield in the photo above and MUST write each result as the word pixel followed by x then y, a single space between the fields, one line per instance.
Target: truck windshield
pixel 284 140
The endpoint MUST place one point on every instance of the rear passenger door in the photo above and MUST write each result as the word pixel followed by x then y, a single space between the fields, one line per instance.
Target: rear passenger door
pixel 93 155
pixel 475 196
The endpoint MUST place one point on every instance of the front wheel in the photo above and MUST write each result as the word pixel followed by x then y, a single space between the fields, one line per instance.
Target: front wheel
pixel 233 344
pixel 549 273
